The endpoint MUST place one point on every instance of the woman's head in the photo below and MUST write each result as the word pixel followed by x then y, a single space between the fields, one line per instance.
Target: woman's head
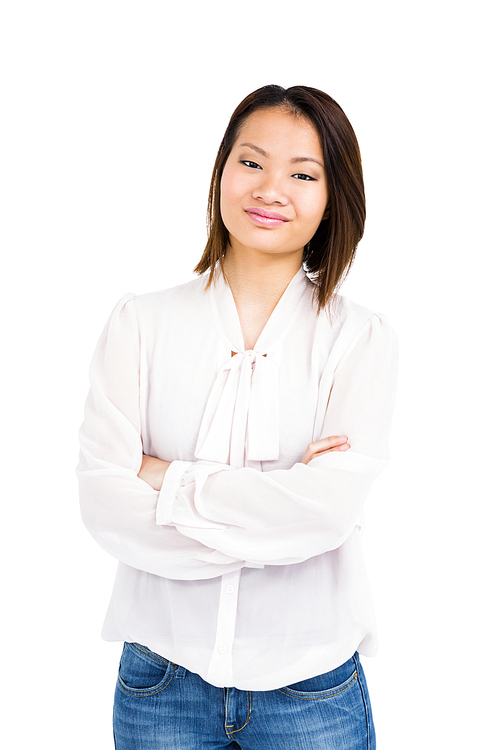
pixel 330 248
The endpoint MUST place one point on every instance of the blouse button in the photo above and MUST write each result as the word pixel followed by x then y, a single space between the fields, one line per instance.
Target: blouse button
pixel 229 588
pixel 222 649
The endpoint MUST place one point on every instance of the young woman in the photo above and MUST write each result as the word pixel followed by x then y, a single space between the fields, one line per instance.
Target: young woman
pixel 232 432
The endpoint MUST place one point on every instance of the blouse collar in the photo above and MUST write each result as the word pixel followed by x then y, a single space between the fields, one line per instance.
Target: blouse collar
pixel 241 419
pixel 281 320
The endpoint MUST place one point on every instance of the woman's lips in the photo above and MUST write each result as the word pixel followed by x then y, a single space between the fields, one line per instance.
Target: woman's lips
pixel 267 218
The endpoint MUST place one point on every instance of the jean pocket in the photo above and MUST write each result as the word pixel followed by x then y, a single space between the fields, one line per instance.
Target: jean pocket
pixel 142 672
pixel 324 685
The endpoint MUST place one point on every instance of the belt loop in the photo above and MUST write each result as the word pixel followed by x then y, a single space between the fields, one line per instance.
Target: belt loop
pixel 180 671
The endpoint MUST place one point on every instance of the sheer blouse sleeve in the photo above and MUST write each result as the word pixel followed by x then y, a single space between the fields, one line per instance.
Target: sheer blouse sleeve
pixel 287 516
pixel 118 508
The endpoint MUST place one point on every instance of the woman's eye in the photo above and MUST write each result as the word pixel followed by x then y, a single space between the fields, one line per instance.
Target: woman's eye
pixel 250 164
pixel 303 177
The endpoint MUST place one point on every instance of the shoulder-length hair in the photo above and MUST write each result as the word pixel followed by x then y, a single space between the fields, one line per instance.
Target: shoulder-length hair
pixel 329 255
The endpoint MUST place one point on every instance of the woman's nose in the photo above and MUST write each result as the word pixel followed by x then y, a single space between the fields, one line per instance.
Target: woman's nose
pixel 270 190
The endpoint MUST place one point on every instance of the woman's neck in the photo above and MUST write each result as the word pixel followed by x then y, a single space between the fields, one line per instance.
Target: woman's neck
pixel 260 275
pixel 257 283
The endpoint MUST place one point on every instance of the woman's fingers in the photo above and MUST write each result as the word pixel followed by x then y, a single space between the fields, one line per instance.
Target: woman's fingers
pixel 153 471
pixel 325 445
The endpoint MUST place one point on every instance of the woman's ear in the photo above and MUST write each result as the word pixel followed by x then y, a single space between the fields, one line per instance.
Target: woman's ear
pixel 326 215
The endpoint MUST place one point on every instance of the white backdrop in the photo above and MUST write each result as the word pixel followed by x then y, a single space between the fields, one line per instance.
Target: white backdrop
pixel 112 115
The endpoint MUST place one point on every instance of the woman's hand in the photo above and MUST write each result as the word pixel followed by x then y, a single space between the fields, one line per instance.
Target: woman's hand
pixel 153 471
pixel 326 445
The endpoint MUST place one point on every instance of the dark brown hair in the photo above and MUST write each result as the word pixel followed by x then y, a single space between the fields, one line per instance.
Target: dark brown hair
pixel 328 256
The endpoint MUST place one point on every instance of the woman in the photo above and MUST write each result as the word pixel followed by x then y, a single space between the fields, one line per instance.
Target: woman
pixel 241 595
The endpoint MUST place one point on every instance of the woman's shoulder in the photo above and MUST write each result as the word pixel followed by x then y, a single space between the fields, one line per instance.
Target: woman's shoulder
pixel 182 294
pixel 184 304
pixel 346 310
pixel 344 313
pixel 354 322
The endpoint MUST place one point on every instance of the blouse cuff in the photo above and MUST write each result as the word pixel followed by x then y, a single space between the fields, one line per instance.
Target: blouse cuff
pixel 169 488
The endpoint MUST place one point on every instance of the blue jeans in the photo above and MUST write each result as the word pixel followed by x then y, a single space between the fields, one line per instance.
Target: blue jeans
pixel 161 706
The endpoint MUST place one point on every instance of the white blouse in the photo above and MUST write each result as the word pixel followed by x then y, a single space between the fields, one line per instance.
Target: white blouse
pixel 246 567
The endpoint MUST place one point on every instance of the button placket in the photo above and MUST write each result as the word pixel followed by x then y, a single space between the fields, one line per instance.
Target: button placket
pixel 220 669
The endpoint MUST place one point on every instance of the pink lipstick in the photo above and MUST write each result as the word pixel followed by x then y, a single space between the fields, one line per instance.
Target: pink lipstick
pixel 266 218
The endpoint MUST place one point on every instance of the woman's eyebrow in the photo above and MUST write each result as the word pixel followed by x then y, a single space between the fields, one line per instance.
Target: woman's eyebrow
pixel 255 148
pixel 299 159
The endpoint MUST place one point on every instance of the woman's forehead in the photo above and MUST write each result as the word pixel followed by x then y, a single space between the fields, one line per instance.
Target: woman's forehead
pixel 279 130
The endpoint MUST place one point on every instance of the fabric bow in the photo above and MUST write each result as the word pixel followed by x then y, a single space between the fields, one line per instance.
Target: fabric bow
pixel 241 419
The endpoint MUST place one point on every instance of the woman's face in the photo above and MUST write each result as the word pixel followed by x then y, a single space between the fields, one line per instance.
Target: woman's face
pixel 273 187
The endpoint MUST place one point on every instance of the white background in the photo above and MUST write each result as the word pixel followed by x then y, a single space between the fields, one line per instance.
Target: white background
pixel 112 115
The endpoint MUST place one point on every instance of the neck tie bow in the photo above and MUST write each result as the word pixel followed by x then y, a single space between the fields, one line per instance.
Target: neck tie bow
pixel 241 419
